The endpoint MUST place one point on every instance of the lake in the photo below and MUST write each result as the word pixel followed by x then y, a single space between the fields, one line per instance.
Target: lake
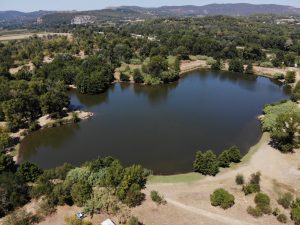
pixel 160 127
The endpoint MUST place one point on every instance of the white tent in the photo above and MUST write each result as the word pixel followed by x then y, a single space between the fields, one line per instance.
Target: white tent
pixel 108 222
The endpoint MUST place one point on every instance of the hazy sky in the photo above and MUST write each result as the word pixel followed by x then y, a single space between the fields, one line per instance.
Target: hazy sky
pixel 32 5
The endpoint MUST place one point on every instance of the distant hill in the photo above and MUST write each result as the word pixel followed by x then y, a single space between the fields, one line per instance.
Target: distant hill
pixel 239 9
pixel 15 17
pixel 115 14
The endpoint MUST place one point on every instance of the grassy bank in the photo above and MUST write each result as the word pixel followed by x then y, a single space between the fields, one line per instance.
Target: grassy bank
pixel 193 177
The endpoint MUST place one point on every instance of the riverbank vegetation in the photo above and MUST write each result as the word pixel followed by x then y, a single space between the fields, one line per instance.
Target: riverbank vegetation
pixel 101 185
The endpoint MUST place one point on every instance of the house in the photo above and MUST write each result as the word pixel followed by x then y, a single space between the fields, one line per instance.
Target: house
pixel 108 222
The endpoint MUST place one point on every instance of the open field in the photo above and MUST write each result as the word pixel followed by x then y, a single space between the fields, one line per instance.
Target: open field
pixel 19 36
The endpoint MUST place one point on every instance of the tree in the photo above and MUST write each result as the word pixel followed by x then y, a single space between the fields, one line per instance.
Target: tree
pixel 234 154
pixel 224 159
pixel 290 77
pixel 222 198
pixel 236 65
pixel 7 163
pixel 4 140
pixel 157 65
pixel 29 171
pixel 206 163
pixel 283 134
pixel 137 76
pixel 81 192
pixel 249 69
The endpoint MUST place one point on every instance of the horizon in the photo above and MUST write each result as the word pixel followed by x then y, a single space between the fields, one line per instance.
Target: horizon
pixel 33 5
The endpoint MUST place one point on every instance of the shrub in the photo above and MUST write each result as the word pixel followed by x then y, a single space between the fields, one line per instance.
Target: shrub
pixel 236 65
pixel 75 221
pixel 34 126
pixel 276 212
pixel 29 171
pixel 124 77
pixel 224 159
pixel 295 215
pixel 282 218
pixel 20 217
pixel 255 178
pixel 157 198
pixel 80 193
pixel 249 69
pixel 234 154
pixel 285 200
pixel 255 212
pixel 133 221
pixel 266 64
pixel 222 198
pixel 290 77
pixel 239 179
pixel 278 76
pixel 296 92
pixel 211 61
pixel 137 76
pixel 263 203
pixel 206 163
pixel 251 188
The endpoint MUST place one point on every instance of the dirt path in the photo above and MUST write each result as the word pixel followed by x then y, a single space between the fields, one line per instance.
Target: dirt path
pixel 219 218
pixel 191 201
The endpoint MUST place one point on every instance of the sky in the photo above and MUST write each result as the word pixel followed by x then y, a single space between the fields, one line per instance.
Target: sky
pixel 33 5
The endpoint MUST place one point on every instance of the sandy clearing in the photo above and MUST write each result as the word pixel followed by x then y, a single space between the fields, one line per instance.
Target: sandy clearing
pixel 279 173
pixel 28 35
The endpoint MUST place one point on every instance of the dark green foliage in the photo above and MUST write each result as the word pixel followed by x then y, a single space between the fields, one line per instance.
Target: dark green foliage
pixel 156 197
pixel 283 133
pixel 296 92
pixel 236 65
pixel 254 211
pixel 249 69
pixel 222 198
pixel 13 192
pixel 262 202
pixel 4 141
pixel 282 218
pixel 137 76
pixel 133 221
pixel 7 163
pixel 239 179
pixel 124 77
pixel 217 65
pixel 224 159
pixel 30 172
pixel 285 200
pixel 134 196
pixel 290 77
pixel 157 65
pixel 80 193
pixel 206 163
pixel 253 186
pixel 295 215
pixel 228 156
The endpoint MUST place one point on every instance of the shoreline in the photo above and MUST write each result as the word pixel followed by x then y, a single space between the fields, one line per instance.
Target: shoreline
pixel 44 122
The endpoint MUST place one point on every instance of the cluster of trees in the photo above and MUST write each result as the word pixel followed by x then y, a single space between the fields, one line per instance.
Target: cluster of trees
pixel 207 163
pixel 101 185
pixel 282 120
pixel 14 189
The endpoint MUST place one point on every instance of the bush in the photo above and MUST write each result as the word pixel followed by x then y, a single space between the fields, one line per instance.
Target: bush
pixel 295 215
pixel 157 198
pixel 278 76
pixel 239 179
pixel 282 218
pixel 296 92
pixel 234 154
pixel 206 163
pixel 263 203
pixel 29 171
pixel 266 64
pixel 236 65
pixel 124 77
pixel 222 198
pixel 276 212
pixel 137 76
pixel 80 193
pixel 133 221
pixel 255 212
pixel 290 77
pixel 251 188
pixel 20 217
pixel 75 221
pixel 285 200
pixel 34 126
pixel 249 69
pixel 255 178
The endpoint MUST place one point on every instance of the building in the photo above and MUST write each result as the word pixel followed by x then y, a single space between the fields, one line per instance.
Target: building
pixel 84 19
pixel 108 222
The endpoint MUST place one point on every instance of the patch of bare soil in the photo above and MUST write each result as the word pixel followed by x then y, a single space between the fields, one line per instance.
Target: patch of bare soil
pixel 189 203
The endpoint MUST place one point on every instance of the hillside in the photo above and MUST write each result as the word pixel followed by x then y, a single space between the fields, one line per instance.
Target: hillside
pixel 125 13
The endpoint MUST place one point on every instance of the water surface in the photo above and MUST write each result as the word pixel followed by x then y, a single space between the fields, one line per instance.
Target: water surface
pixel 160 127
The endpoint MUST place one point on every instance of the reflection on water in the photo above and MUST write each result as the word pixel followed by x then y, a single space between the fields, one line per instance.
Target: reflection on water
pixel 160 127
